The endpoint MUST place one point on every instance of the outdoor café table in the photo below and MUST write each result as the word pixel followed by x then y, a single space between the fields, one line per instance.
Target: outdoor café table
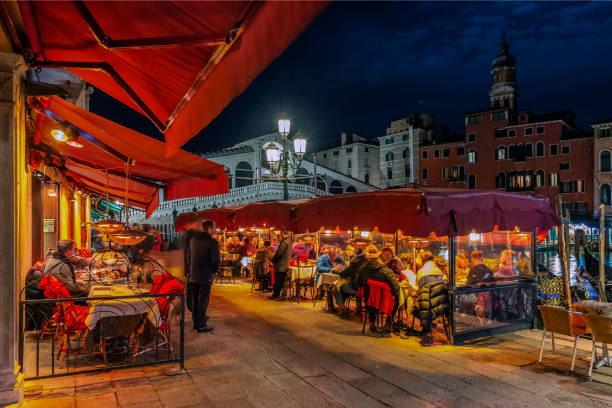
pixel 302 272
pixel 591 307
pixel 99 309
pixel 299 275
pixel 324 283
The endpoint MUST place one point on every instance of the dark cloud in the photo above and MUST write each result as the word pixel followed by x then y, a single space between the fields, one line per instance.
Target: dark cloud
pixel 361 65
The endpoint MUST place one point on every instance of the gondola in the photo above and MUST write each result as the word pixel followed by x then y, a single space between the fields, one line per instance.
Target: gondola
pixel 591 264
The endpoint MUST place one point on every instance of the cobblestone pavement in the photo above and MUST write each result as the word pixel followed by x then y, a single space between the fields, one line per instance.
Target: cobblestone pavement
pixel 277 354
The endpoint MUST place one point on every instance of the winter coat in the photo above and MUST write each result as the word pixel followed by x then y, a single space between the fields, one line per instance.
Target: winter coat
pixel 432 302
pixel 282 256
pixel 377 271
pixel 204 258
pixel 63 270
pixel 324 264
pixel 350 272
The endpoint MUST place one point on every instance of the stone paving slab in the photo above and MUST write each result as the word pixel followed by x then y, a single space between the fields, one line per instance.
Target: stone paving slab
pixel 280 354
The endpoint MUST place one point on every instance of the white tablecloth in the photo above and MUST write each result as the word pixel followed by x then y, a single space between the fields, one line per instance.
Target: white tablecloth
pixel 302 272
pixel 121 307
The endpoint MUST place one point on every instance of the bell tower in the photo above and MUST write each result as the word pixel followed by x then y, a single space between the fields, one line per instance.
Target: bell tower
pixel 504 92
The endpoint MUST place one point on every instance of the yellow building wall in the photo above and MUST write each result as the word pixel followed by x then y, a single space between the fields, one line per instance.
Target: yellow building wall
pixel 77 221
pixel 64 210
pixel 88 220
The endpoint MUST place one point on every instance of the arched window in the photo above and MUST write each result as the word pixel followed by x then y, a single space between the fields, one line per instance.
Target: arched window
pixel 301 172
pixel 500 153
pixel 540 149
pixel 406 153
pixel 471 182
pixel 539 178
pixel 351 189
pixel 528 150
pixel 244 175
pixel 604 161
pixel 320 182
pixel 389 156
pixel 604 194
pixel 500 180
pixel 335 187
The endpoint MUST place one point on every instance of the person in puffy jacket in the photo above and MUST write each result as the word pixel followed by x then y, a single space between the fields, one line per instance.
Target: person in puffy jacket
pixel 432 303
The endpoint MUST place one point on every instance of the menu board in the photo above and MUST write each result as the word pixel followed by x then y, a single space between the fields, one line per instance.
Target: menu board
pixel 49 225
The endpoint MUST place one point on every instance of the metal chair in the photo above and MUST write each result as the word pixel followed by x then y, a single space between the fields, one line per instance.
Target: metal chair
pixel 559 320
pixel 225 272
pixel 601 327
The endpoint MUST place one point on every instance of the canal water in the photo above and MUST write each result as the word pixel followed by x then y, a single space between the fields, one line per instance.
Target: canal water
pixel 551 260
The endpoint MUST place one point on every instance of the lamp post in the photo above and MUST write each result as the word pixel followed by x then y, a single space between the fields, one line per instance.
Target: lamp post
pixel 280 159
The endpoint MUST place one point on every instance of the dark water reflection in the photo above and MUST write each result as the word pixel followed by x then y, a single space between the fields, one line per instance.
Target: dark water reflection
pixel 550 259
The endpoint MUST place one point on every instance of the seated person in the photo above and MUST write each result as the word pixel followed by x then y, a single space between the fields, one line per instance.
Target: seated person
pixel 61 266
pixel 245 252
pixel 330 261
pixel 347 276
pixel 388 258
pixel 233 245
pixel 479 272
pixel 506 265
pixel 463 268
pixel 298 251
pixel 442 264
pixel 373 269
pixel 429 272
pixel 263 262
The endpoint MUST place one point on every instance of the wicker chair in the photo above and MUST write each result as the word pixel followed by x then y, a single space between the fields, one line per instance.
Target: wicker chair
pixel 601 327
pixel 559 320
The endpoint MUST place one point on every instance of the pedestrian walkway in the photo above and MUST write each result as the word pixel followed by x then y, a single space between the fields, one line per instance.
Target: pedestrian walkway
pixel 278 354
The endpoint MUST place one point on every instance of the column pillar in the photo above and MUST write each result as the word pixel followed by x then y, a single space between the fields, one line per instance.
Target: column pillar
pixel 15 197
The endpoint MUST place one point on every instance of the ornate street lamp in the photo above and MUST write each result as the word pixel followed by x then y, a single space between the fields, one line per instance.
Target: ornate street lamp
pixel 280 159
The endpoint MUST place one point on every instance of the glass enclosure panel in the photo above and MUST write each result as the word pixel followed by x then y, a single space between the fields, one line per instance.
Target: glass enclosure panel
pixel 414 253
pixel 495 257
pixel 477 309
pixel 304 246
pixel 341 240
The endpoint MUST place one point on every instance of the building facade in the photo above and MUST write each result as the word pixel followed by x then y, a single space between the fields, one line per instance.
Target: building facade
pixel 399 149
pixel 512 150
pixel 356 157
pixel 443 164
pixel 602 170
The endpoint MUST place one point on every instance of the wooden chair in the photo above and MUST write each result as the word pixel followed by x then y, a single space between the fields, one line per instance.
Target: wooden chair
pixel 601 327
pixel 559 320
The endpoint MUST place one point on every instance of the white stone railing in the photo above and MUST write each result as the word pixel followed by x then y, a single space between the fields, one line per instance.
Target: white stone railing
pixel 267 191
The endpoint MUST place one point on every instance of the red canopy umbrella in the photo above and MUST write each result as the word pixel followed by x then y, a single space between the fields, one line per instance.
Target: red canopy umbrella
pixel 421 211
pixel 223 217
pixel 278 214
pixel 177 62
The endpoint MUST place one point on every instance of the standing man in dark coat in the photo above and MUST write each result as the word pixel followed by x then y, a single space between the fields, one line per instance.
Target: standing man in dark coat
pixel 204 261
pixel 193 226
pixel 281 259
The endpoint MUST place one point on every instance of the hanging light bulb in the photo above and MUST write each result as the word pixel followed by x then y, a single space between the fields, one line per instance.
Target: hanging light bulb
pixel 474 236
pixel 51 192
pixel 59 133
pixel 72 138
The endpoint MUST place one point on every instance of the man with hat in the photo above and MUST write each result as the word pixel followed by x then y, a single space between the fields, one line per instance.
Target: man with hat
pixel 376 271
pixel 347 276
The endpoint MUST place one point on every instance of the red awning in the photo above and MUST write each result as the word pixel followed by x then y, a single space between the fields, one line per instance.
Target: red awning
pixel 177 62
pixel 223 218
pixel 277 214
pixel 107 147
pixel 421 211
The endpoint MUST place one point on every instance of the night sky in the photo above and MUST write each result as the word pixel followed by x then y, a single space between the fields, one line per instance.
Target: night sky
pixel 360 65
